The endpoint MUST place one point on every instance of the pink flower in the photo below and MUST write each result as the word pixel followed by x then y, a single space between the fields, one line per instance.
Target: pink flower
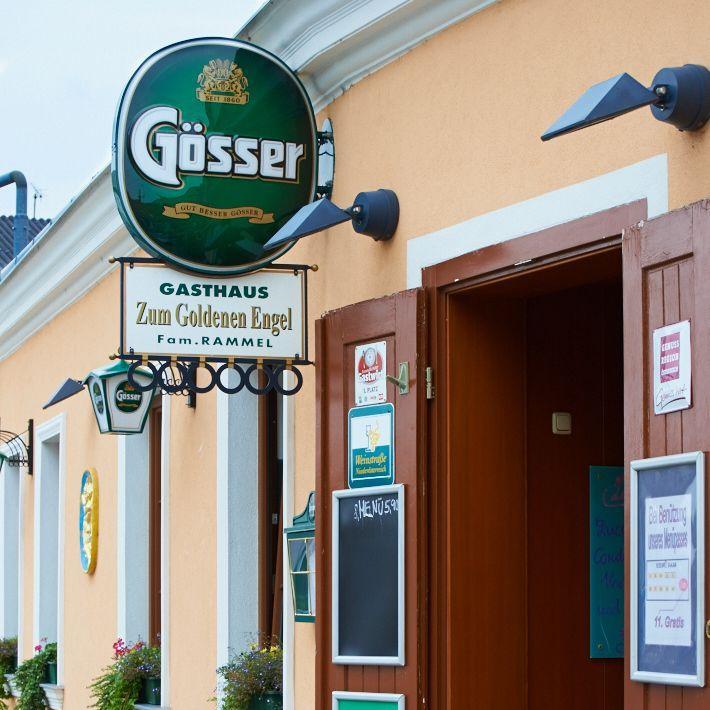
pixel 38 647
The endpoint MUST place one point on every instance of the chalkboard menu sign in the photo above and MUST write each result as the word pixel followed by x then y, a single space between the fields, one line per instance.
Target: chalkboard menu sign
pixel 368 576
pixel 668 569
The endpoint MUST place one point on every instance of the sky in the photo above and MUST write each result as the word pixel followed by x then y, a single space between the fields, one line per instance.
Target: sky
pixel 63 65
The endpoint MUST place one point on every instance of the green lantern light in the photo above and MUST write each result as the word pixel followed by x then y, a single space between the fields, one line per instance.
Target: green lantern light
pixel 119 407
pixel 301 541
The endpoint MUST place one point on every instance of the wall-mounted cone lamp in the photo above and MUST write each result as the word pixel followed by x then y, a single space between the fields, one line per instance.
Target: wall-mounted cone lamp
pixel 374 213
pixel 678 95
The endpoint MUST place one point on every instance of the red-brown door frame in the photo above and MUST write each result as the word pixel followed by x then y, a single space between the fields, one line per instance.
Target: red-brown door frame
pixel 541 250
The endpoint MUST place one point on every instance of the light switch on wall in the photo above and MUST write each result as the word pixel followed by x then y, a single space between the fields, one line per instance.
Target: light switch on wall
pixel 561 423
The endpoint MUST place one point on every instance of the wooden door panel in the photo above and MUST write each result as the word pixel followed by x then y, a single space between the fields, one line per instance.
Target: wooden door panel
pixel 399 320
pixel 666 266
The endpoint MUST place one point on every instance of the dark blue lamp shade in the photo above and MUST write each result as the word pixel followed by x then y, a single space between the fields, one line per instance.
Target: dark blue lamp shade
pixel 66 390
pixel 314 217
pixel 608 99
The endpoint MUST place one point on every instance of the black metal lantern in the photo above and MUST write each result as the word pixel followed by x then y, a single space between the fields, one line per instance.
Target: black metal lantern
pixel 301 541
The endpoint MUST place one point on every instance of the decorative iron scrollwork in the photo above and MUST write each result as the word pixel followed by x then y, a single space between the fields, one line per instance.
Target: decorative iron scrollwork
pixel 15 449
pixel 181 378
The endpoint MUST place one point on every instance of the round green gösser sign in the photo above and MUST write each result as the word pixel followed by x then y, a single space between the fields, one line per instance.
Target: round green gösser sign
pixel 214 150
pixel 128 398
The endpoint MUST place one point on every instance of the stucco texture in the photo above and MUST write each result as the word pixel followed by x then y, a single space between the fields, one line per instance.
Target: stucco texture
pixel 453 128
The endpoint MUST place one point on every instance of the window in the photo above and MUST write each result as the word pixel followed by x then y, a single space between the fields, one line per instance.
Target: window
pixel 270 517
pixel 154 524
pixel 9 548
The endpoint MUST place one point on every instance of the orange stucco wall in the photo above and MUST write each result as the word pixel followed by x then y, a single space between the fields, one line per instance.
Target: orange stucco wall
pixel 453 127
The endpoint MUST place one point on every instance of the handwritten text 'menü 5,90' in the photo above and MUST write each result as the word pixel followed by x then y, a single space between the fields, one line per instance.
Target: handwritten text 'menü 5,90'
pixel 371 508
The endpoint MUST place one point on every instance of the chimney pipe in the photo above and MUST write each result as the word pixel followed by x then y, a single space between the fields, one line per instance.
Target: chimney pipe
pixel 20 226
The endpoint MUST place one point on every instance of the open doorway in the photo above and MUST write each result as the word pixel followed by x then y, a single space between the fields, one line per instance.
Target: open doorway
pixel 523 349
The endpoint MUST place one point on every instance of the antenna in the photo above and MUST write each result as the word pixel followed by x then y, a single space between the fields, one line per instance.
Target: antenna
pixel 37 194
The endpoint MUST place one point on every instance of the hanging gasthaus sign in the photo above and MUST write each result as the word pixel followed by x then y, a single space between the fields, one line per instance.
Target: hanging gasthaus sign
pixel 214 150
pixel 255 316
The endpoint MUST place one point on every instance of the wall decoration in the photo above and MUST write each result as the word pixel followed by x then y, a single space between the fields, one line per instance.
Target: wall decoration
pixel 606 562
pixel 671 368
pixel 371 446
pixel 89 520
pixel 215 148
pixel 668 569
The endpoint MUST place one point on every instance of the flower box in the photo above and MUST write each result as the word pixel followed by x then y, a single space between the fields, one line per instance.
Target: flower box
pixel 51 673
pixel 150 691
pixel 267 701
pixel 12 685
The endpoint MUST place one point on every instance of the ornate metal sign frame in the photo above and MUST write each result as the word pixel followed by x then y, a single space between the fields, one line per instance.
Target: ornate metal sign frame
pixel 177 374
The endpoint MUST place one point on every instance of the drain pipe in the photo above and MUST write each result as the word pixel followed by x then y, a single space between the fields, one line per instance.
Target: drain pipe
pixel 20 224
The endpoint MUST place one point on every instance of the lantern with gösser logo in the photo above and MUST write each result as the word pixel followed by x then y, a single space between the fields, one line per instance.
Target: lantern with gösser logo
pixel 120 408
pixel 302 561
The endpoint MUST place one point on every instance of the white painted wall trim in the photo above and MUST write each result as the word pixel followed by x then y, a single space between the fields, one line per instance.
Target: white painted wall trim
pixel 133 536
pixel 288 408
pixel 54 429
pixel 64 262
pixel 647 179
pixel 237 522
pixel 333 44
pixel 165 554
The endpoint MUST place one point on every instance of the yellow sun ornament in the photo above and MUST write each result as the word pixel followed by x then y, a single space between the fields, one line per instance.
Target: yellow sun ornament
pixel 89 520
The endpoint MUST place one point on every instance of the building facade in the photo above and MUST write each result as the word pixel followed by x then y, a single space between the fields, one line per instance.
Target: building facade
pixel 525 280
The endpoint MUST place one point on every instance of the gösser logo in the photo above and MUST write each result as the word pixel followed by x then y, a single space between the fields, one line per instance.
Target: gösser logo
pixel 214 150
pixel 128 398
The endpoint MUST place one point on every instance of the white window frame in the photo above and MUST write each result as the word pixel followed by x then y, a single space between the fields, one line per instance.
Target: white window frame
pixel 45 433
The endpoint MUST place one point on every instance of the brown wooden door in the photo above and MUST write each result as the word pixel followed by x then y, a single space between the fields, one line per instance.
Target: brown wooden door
pixel 400 321
pixel 666 274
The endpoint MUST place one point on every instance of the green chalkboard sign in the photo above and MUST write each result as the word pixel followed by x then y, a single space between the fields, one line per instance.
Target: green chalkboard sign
pixel 606 562
pixel 367 701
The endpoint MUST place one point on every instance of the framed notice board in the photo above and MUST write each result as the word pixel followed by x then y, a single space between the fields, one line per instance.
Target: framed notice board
pixel 367 701
pixel 668 570
pixel 368 576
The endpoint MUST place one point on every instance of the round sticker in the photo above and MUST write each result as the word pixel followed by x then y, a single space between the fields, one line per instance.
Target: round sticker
pixel 128 398
pixel 370 365
pixel 214 150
